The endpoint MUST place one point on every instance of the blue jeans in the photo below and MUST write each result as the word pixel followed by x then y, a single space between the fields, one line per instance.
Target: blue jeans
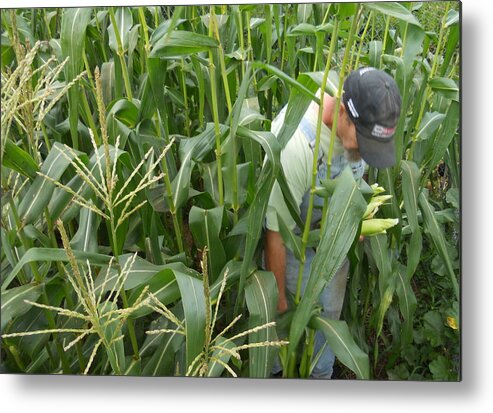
pixel 331 300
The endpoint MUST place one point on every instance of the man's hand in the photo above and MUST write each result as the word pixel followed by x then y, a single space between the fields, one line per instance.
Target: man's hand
pixel 282 304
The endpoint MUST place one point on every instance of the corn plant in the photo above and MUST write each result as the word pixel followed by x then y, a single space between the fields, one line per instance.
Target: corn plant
pixel 136 146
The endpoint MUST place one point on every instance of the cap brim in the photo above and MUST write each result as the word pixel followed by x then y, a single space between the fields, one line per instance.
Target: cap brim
pixel 379 154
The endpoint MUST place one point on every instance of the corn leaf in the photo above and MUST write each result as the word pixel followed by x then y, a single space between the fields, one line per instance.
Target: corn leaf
pixel 53 254
pixel 19 160
pixel 205 225
pixel 261 297
pixel 182 43
pixel 386 276
pixel 86 237
pixel 341 342
pixel 437 237
pixel 41 190
pixel 192 295
pixel 72 38
pixel 347 206
pixel 13 304
pixel 407 304
pixel 124 23
pixel 394 9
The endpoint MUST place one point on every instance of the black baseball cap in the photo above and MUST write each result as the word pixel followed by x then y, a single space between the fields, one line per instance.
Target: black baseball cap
pixel 373 102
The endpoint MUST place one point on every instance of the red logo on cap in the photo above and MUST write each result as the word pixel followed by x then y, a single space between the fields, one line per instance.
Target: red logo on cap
pixel 382 132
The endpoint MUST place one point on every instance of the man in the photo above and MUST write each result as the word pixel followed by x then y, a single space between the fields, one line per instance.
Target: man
pixel 368 115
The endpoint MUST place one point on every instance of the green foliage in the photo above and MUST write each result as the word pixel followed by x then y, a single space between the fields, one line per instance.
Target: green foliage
pixel 150 149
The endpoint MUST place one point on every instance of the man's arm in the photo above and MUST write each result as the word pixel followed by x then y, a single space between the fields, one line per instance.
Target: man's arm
pixel 275 261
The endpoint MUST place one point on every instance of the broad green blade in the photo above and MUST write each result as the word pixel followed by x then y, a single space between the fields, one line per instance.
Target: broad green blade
pixel 206 225
pixel 451 48
pixel 192 295
pixel 86 237
pixel 13 304
pixel 292 241
pixel 341 342
pixel 438 238
pixel 407 304
pixel 59 202
pixel 256 212
pixel 410 192
pixel 445 87
pixel 375 52
pixel 429 124
pixel 215 367
pixel 124 23
pixel 181 43
pixel 394 9
pixel 346 209
pixel 386 276
pixel 72 38
pixel 40 192
pixel 261 296
pixel 164 348
pixel 19 160
pixel 446 134
pixel 412 48
pixel 111 331
pixel 53 254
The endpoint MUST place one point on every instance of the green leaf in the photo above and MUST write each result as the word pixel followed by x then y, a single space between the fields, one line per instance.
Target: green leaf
pixel 302 29
pixel 292 241
pixel 53 254
pixel 445 87
pixel 407 304
pixel 182 43
pixel 13 304
pixel 124 23
pixel 216 368
pixel 125 111
pixel 410 191
pixel 451 48
pixel 433 327
pixel 86 237
pixel 346 209
pixel 111 331
pixel 19 160
pixel 386 276
pixel 375 52
pixel 438 238
pixel 205 225
pixel 346 10
pixel 430 123
pixel 72 38
pixel 192 295
pixel 441 369
pixel 304 12
pixel 161 363
pixel 261 297
pixel 452 18
pixel 341 342
pixel 394 9
pixel 258 208
pixel 59 202
pixel 414 248
pixel 41 190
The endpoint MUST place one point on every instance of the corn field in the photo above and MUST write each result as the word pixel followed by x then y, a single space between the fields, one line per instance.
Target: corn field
pixel 137 160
